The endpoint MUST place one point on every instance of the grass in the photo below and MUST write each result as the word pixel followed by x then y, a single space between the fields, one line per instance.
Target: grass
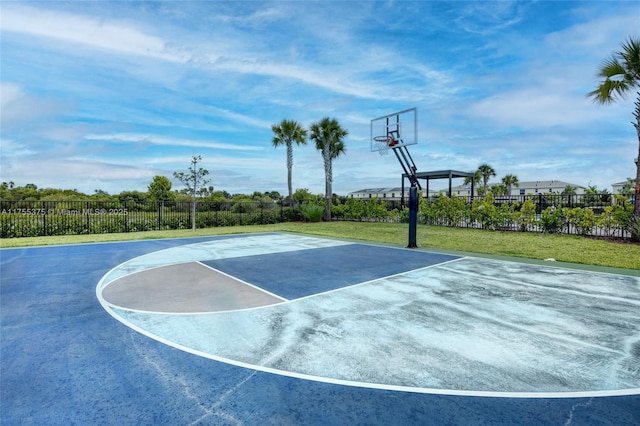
pixel 562 248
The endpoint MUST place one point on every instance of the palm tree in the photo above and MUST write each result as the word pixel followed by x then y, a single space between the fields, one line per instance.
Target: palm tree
pixel 483 173
pixel 328 135
pixel 499 189
pixel 569 190
pixel 286 133
pixel 621 75
pixel 486 171
pixel 510 181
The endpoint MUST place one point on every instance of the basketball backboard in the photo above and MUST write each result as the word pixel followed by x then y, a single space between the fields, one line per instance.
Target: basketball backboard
pixel 394 130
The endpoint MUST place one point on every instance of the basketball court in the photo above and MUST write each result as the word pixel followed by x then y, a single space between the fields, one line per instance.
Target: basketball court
pixel 294 329
pixel 288 329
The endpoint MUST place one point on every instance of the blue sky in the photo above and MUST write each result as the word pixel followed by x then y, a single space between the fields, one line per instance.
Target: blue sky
pixel 106 95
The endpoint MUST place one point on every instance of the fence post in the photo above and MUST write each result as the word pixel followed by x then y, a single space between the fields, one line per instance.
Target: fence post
pixel 540 203
pixel 44 218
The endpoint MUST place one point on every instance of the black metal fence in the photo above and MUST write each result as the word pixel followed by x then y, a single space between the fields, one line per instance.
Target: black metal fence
pixel 597 202
pixel 42 218
pixel 608 215
pixel 585 214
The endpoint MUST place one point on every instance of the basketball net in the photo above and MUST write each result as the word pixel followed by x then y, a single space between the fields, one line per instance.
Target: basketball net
pixel 384 143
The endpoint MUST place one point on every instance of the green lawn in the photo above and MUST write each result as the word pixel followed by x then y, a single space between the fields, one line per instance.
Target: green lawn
pixel 562 248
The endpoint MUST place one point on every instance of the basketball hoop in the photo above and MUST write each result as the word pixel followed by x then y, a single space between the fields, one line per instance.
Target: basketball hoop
pixel 384 143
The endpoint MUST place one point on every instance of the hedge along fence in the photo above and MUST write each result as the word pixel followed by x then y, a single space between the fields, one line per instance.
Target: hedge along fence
pixel 559 214
pixel 42 218
pixel 614 220
pixel 554 215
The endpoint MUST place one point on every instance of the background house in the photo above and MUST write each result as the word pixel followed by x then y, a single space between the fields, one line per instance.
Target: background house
pixel 616 188
pixel 527 188
pixel 524 188
pixel 386 194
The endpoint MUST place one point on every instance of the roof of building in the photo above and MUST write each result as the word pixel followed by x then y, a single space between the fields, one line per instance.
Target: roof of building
pixel 383 191
pixel 376 190
pixel 532 184
pixel 522 185
pixel 443 174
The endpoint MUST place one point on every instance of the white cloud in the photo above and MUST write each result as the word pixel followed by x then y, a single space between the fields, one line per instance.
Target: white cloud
pixel 482 17
pixel 594 38
pixel 533 108
pixel 18 108
pixel 167 141
pixel 240 118
pixel 118 37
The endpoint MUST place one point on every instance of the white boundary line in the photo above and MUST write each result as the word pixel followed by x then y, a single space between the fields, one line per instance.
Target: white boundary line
pixel 433 391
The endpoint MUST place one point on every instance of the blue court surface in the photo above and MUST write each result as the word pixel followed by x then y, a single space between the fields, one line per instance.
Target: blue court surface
pixel 287 329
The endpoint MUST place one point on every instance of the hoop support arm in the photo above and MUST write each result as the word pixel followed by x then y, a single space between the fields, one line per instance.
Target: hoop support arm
pixel 406 161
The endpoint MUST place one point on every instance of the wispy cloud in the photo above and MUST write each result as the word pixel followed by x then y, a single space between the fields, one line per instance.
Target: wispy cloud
pixel 20 108
pixel 486 18
pixel 113 36
pixel 162 140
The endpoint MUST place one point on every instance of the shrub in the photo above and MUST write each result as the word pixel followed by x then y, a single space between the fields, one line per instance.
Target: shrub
pixel 290 214
pixel 583 220
pixel 485 212
pixel 312 212
pixel 372 209
pixel 527 217
pixel 242 207
pixel 444 210
pixel 507 215
pixel 552 220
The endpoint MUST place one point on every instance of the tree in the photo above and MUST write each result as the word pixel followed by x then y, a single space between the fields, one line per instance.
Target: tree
pixel 499 189
pixel 286 133
pixel 569 190
pixel 192 179
pixel 510 181
pixel 329 137
pixel 275 196
pixel 303 194
pixel 101 195
pixel 205 191
pixel 486 172
pixel 136 197
pixel 627 188
pixel 218 196
pixel 621 74
pixel 160 189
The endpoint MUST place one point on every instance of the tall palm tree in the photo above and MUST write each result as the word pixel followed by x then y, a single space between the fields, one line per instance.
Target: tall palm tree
pixel 329 137
pixel 510 181
pixel 286 133
pixel 621 74
pixel 486 171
